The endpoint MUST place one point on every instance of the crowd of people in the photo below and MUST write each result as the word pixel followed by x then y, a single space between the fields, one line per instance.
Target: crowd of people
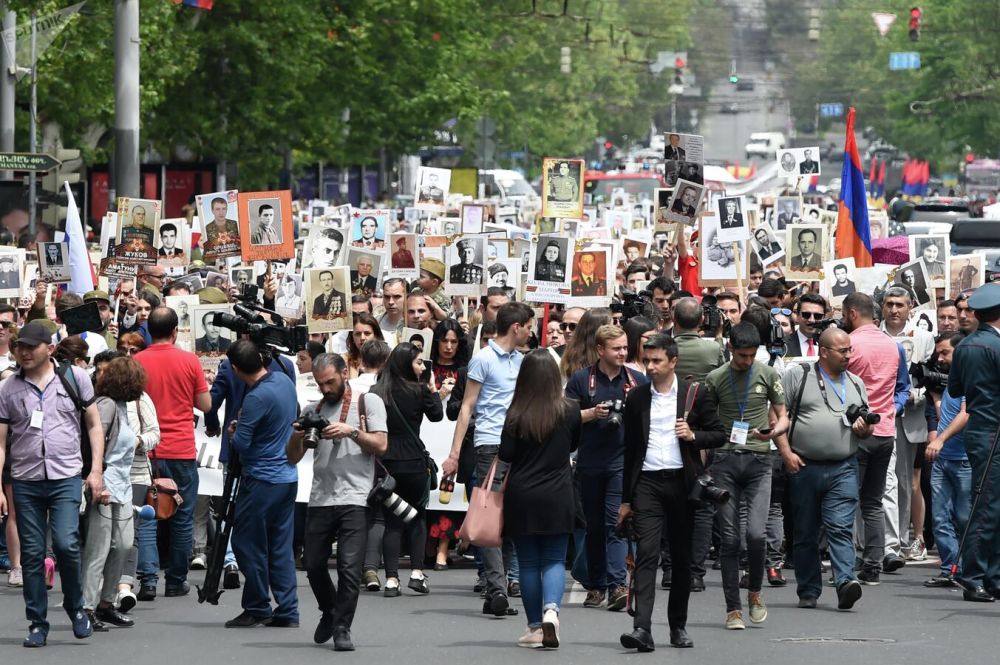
pixel 736 433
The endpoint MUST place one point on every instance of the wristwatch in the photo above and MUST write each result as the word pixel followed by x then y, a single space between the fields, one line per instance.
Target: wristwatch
pixel 355 433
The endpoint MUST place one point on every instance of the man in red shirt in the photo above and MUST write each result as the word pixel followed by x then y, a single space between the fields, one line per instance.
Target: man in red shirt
pixel 176 386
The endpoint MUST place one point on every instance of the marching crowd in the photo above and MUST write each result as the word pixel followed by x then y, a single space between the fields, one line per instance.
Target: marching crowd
pixel 752 435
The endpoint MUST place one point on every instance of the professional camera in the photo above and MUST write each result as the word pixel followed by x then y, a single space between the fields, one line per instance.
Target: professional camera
pixel 929 375
pixel 247 319
pixel 705 490
pixel 384 492
pixel 312 426
pixel 854 412
pixel 713 318
pixel 615 408
pixel 635 304
pixel 821 326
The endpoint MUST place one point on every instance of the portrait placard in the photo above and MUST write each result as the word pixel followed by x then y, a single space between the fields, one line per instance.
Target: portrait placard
pixel 219 213
pixel 266 230
pixel 685 202
pixel 404 255
pixel 210 339
pixel 634 247
pixel 328 299
pixel 505 274
pixel 365 267
pixel 767 244
pixel 173 245
pixel 562 187
pixel 548 273
pixel 11 272
pixel 138 220
pixel 798 161
pixel 464 260
pixel 289 300
pixel 683 147
pixel 369 228
pixel 661 208
pixel 590 285
pixel 913 277
pixel 840 281
pixel 53 262
pixel 733 222
pixel 805 249
pixel 422 338
pixel 323 247
pixel 720 264
pixel 787 210
pixel 183 306
pixel 966 272
pixel 473 216
pixel 932 250
pixel 432 188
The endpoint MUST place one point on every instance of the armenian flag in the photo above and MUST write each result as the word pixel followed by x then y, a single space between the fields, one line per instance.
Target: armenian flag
pixel 199 4
pixel 853 232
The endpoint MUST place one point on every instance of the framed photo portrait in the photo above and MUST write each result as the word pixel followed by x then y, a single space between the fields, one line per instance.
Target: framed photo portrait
pixel 932 250
pixel 365 267
pixel 549 269
pixel 266 225
pixel 685 202
pixel 767 244
pixel 562 188
pixel 369 228
pixel 787 210
pixel 221 230
pixel 840 281
pixel 913 277
pixel 804 249
pixel 432 187
pixel 733 222
pixel 138 220
pixel 965 272
pixel 465 272
pixel 328 299
pixel 53 262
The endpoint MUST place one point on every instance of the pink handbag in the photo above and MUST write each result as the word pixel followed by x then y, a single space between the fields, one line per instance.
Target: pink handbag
pixel 483 523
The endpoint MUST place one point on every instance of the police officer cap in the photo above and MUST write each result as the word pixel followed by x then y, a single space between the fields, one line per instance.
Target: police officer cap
pixel 986 296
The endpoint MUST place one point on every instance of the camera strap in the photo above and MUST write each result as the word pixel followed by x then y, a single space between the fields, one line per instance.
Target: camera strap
pixel 592 381
pixel 793 415
pixel 346 404
pixel 690 397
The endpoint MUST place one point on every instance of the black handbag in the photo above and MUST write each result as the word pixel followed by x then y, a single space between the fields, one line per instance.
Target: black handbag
pixel 432 467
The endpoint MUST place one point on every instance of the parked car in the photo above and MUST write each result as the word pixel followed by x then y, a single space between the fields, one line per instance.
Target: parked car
pixel 764 144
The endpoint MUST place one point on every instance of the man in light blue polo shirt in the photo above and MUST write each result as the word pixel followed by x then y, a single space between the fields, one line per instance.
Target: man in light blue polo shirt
pixel 488 392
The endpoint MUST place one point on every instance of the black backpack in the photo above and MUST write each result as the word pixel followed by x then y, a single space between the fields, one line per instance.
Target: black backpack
pixel 68 379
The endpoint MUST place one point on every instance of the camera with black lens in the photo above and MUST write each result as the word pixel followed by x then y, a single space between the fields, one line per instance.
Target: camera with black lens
pixel 820 326
pixel 854 412
pixel 384 492
pixel 712 317
pixel 312 425
pixel 634 304
pixel 615 408
pixel 706 491
pixel 247 319
pixel 929 375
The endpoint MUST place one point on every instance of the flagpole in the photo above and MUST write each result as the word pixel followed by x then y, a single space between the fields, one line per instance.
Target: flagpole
pixel 32 139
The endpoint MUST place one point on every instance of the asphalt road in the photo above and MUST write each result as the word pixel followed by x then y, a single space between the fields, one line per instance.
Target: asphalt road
pixel 897 622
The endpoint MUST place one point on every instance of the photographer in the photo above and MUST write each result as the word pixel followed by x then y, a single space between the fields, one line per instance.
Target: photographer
pixel 696 357
pixel 262 527
pixel 820 454
pixel 343 473
pixel 663 433
pixel 601 390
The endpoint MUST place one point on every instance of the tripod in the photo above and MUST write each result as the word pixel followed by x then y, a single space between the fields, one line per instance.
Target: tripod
pixel 977 493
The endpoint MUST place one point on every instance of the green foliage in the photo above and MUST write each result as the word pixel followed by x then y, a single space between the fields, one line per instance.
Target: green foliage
pixel 252 79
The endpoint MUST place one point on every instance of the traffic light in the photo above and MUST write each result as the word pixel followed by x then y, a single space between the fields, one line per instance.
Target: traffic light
pixel 52 197
pixel 565 60
pixel 915 16
pixel 734 78
pixel 679 71
pixel 609 150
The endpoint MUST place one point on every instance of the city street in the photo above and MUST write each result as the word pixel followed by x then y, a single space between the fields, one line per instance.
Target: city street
pixel 897 622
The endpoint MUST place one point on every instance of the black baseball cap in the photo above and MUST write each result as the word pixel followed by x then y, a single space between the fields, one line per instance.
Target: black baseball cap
pixel 33 334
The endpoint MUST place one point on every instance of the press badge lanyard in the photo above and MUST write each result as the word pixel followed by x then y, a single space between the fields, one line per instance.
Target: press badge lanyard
pixel 841 394
pixel 741 428
pixel 592 382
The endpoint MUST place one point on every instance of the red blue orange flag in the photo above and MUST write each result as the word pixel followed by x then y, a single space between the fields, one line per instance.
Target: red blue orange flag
pixel 853 232
pixel 200 4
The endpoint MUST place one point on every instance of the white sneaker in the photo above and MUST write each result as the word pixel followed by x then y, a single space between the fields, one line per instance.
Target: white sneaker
pixel 125 600
pixel 15 577
pixel 199 562
pixel 532 639
pixel 550 629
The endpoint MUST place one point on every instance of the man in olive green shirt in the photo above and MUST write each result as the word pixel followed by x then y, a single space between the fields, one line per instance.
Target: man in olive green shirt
pixel 748 393
pixel 696 357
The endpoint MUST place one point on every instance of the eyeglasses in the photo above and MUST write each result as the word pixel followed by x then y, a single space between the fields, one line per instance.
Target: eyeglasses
pixel 129 350
pixel 567 327
pixel 617 318
pixel 843 351
pixel 815 316
pixel 780 310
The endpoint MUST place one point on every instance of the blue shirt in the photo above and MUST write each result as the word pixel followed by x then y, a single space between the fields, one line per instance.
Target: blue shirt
pixel 953 448
pixel 264 427
pixel 496 371
pixel 602 445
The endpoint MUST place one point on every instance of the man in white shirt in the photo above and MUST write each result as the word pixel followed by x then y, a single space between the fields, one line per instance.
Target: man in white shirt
pixel 664 430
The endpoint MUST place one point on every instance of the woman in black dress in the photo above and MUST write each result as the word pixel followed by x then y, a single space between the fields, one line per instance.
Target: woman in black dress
pixel 407 401
pixel 541 430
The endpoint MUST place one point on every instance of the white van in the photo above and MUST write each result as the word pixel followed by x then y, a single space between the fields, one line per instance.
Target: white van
pixel 764 144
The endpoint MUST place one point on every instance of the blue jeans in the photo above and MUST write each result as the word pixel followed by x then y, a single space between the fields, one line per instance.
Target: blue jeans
pixel 602 496
pixel 543 573
pixel 185 474
pixel 823 494
pixel 951 501
pixel 43 505
pixel 262 540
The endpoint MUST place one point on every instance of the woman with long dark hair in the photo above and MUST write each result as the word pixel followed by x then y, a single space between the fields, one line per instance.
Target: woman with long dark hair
pixel 366 327
pixel 449 354
pixel 637 330
pixel 541 430
pixel 407 401
pixel 581 350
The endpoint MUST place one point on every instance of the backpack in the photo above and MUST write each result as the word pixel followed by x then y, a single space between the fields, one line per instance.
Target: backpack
pixel 68 379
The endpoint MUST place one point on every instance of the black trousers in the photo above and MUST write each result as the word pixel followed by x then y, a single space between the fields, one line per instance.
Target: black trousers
pixel 348 525
pixel 411 487
pixel 661 497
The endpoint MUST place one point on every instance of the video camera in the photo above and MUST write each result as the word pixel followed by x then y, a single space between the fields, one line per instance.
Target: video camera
pixel 929 375
pixel 247 319
pixel 635 304
pixel 712 317
pixel 821 326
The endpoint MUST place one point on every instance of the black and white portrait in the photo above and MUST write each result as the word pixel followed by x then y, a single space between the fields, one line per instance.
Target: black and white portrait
pixel 241 276
pixel 720 262
pixel 289 300
pixel 504 274
pixel 432 187
pixel 52 264
pixel 804 247
pixel 327 299
pixel 209 338
pixel 840 278
pixel 10 273
pixel 322 247
pixel 733 224
pixel 787 210
pixel 550 260
pixel 913 277
pixel 794 162
pixel 683 148
pixel 473 216
pixel 932 250
pixel 685 202
pixel 265 222
pixel 366 270
pixel 662 207
pixel 562 188
pixel 766 245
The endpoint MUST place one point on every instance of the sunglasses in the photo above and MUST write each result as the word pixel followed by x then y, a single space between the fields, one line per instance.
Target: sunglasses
pixel 815 316
pixel 129 350
pixel 567 327
pixel 780 310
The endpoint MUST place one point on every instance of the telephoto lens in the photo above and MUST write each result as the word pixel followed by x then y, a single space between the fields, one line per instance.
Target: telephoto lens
pixel 384 493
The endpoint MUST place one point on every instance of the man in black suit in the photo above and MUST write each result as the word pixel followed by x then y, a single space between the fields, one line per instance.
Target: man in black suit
pixel 686 203
pixel 731 217
pixel 212 341
pixel 807 258
pixel 663 434
pixel 331 303
pixel 674 151
pixel 842 286
pixel 808 165
pixel 363 282
pixel 765 248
